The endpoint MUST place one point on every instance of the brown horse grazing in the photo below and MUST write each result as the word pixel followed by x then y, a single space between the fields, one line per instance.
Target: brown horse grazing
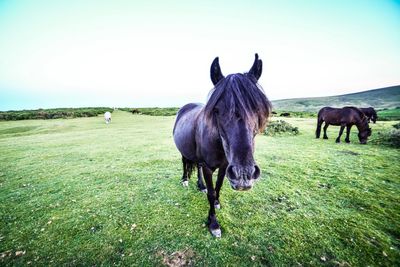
pixel 370 113
pixel 220 135
pixel 344 117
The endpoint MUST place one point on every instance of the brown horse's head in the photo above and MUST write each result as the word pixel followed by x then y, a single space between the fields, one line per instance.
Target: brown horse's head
pixel 364 134
pixel 239 109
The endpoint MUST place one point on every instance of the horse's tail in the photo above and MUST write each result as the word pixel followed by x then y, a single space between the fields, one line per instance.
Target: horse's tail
pixel 319 124
pixel 189 166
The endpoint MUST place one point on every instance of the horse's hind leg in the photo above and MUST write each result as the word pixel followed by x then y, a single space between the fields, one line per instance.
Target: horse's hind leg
pixel 340 133
pixel 318 131
pixel 325 127
pixel 200 183
pixel 186 171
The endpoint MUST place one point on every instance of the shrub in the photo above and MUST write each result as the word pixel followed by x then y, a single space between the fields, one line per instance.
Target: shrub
pixel 294 114
pixel 56 113
pixel 280 127
pixel 390 138
pixel 152 111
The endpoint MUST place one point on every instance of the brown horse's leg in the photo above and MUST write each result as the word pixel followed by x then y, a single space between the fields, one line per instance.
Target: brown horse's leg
pixel 348 128
pixel 340 133
pixel 200 183
pixel 220 180
pixel 212 222
pixel 318 131
pixel 185 181
pixel 187 169
pixel 325 127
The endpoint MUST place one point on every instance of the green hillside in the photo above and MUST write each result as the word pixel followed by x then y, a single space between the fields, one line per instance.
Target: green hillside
pixel 383 98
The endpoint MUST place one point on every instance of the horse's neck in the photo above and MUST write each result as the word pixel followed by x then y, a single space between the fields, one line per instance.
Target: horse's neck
pixel 362 125
pixel 206 131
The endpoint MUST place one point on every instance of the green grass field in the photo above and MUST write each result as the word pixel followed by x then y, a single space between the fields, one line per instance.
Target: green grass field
pixel 80 192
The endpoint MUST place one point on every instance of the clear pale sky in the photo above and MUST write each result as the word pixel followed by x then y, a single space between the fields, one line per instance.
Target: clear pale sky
pixel 158 53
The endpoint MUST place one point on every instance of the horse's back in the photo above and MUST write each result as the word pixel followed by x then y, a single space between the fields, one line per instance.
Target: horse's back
pixel 339 116
pixel 326 112
pixel 184 130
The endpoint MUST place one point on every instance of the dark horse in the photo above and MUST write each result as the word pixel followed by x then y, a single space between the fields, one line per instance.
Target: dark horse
pixel 370 113
pixel 344 117
pixel 220 135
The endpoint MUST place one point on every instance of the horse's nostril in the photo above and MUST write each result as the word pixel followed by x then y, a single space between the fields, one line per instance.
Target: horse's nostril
pixel 229 171
pixel 257 172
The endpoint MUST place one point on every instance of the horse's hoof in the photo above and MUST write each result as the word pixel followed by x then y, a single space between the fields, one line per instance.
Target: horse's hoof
pixel 217 206
pixel 185 183
pixel 216 232
pixel 204 191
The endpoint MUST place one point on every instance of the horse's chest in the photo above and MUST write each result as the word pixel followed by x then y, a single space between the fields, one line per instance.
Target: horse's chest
pixel 211 151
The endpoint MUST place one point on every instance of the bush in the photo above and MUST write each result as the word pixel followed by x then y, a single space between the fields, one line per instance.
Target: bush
pixel 55 113
pixel 281 127
pixel 152 111
pixel 390 138
pixel 294 114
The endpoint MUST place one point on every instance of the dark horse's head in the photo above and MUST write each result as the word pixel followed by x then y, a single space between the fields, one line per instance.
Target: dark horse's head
pixel 373 115
pixel 239 109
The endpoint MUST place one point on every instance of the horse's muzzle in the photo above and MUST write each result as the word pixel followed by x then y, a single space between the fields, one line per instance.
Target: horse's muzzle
pixel 242 178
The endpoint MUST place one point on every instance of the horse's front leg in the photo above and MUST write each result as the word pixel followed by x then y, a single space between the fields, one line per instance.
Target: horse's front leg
pixel 340 133
pixel 325 128
pixel 348 128
pixel 220 181
pixel 212 222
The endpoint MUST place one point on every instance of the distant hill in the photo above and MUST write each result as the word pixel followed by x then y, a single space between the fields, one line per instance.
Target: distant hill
pixel 388 98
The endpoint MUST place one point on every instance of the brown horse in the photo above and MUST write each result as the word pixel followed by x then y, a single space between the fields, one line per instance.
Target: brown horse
pixel 344 117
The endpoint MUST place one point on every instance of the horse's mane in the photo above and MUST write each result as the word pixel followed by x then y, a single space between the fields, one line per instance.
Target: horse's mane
pixel 242 96
pixel 371 111
pixel 364 119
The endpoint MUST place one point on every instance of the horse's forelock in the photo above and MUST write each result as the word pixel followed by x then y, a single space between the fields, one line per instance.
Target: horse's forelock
pixel 241 96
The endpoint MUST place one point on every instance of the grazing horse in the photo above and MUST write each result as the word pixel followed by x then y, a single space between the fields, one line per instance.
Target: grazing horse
pixel 370 113
pixel 220 135
pixel 107 117
pixel 344 117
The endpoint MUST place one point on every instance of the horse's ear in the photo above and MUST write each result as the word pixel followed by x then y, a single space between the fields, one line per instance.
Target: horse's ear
pixel 215 72
pixel 256 69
